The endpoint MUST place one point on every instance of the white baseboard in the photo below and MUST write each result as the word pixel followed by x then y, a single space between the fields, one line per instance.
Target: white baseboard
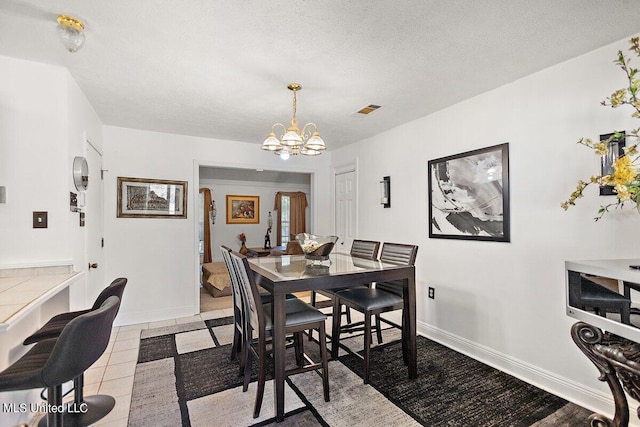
pixel 591 399
pixel 132 318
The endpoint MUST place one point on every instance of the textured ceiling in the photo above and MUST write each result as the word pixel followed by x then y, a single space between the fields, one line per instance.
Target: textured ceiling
pixel 220 69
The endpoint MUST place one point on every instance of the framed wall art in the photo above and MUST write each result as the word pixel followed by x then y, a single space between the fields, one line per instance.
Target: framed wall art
pixel 151 198
pixel 243 209
pixel 469 195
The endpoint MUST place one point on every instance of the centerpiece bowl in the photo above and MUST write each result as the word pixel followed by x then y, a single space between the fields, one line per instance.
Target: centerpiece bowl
pixel 316 248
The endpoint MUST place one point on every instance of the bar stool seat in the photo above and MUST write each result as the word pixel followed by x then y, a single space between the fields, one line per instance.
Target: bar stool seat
pixel 55 361
pixel 97 406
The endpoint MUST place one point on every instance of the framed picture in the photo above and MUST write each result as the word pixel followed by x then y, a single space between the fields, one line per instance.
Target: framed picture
pixel 243 209
pixel 469 195
pixel 151 198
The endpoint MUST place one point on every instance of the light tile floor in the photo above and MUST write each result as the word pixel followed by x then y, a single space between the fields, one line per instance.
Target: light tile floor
pixel 112 374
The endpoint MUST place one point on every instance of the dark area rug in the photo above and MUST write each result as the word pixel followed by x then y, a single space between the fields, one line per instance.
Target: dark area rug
pixel 455 390
pixel 174 386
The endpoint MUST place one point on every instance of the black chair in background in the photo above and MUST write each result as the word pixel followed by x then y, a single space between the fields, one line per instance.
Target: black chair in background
pixel 365 249
pixel 258 318
pixel 55 361
pixel 384 297
pixel 99 405
pixel 588 295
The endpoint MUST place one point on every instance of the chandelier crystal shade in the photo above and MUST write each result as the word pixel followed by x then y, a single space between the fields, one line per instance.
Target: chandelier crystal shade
pixel 294 141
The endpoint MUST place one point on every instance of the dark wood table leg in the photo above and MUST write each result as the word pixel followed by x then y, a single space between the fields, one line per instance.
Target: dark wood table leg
pixel 279 354
pixel 335 329
pixel 411 334
pixel 618 361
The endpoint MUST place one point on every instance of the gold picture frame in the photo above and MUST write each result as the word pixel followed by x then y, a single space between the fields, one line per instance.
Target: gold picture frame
pixel 243 209
pixel 151 198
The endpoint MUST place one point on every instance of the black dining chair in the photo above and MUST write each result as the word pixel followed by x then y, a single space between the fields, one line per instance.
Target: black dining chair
pixel 97 405
pixel 259 319
pixel 238 308
pixel 365 249
pixel 384 297
pixel 238 320
pixel 54 361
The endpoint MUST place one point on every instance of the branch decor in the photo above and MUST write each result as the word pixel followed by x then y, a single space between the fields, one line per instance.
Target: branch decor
pixel 625 178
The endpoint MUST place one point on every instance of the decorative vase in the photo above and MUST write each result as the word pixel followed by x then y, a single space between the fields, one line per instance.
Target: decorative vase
pixel 243 249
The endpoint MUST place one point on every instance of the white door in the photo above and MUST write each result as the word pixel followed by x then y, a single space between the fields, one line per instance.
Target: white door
pixel 345 203
pixel 94 225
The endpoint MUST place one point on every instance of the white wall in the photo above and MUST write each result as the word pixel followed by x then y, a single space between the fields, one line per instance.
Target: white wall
pixel 227 234
pixel 33 162
pixel 505 302
pixel 159 256
pixel 44 118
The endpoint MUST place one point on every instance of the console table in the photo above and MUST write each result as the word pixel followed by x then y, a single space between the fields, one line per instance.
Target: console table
pixel 610 345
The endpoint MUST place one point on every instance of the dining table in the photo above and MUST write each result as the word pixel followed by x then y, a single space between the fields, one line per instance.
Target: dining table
pixel 281 275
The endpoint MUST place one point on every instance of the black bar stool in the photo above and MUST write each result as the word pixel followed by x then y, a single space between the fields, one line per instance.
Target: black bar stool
pixel 99 405
pixel 55 361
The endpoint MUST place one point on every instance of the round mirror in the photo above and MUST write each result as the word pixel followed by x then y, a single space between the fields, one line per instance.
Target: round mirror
pixel 80 173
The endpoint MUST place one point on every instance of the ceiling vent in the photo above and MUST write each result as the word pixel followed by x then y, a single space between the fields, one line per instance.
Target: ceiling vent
pixel 365 110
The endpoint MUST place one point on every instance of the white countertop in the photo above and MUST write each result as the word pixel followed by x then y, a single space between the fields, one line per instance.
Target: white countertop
pixel 617 269
pixel 612 268
pixel 29 288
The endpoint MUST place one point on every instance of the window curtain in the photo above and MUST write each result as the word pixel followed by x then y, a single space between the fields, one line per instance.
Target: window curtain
pixel 208 207
pixel 297 214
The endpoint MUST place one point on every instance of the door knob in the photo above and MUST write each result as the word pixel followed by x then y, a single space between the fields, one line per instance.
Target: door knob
pixel 93 265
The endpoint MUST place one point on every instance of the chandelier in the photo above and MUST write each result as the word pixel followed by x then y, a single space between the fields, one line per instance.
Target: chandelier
pixel 294 141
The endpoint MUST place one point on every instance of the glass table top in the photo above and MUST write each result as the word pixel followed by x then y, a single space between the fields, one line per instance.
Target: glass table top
pixel 292 267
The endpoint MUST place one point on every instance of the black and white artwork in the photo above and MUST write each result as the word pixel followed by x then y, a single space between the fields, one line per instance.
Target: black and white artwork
pixel 469 195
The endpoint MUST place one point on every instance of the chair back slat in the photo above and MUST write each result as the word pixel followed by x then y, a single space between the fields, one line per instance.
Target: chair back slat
pixel 400 254
pixel 233 277
pixel 367 249
pixel 396 253
pixel 254 316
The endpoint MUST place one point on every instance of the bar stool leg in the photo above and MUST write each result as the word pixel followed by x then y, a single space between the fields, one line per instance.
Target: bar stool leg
pixel 84 411
pixel 54 398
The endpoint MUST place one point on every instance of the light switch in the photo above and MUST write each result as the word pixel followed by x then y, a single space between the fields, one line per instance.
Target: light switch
pixel 40 219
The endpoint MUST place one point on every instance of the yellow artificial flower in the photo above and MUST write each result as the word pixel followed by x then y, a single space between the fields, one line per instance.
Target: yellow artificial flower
pixel 622 192
pixel 623 171
pixel 601 148
pixel 617 97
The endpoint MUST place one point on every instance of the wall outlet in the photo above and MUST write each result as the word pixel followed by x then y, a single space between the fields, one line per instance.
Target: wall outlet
pixel 40 219
pixel 432 293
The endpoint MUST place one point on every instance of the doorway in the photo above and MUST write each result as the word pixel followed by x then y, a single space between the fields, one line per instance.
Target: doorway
pixel 261 184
